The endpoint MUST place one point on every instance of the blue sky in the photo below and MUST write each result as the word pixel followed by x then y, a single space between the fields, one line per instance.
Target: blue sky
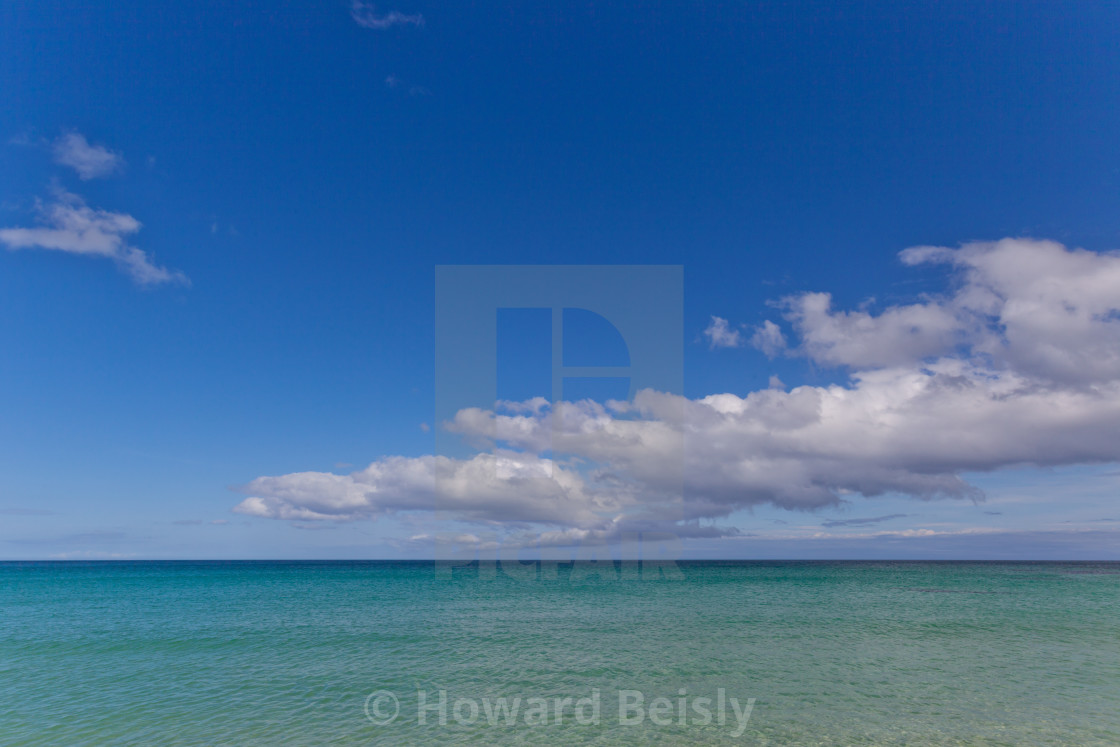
pixel 292 173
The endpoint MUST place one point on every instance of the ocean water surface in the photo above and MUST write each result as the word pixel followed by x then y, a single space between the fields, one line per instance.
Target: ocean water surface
pixel 317 653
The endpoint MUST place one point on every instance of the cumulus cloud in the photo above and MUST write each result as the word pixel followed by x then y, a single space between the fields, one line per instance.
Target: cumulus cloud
pixel 720 335
pixel 897 430
pixel 1029 306
pixel 668 457
pixel 899 334
pixel 1036 307
pixel 365 15
pixel 501 486
pixel 69 225
pixel 1016 365
pixel 90 161
pixel 768 338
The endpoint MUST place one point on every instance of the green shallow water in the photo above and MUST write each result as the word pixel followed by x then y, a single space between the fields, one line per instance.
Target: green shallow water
pixel 845 653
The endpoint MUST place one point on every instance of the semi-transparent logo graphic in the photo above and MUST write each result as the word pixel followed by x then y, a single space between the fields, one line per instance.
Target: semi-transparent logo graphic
pixel 528 360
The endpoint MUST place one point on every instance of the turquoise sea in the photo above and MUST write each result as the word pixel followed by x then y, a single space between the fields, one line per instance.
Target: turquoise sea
pixel 312 653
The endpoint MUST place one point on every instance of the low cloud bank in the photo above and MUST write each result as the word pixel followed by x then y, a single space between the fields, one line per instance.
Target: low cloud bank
pixel 1017 364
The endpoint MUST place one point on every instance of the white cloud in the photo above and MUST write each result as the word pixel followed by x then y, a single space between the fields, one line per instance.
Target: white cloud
pixel 768 338
pixel 1018 365
pixel 1037 307
pixel 720 335
pixel 365 15
pixel 501 486
pixel 69 225
pixel 90 161
pixel 901 430
pixel 1030 306
pixel 900 334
